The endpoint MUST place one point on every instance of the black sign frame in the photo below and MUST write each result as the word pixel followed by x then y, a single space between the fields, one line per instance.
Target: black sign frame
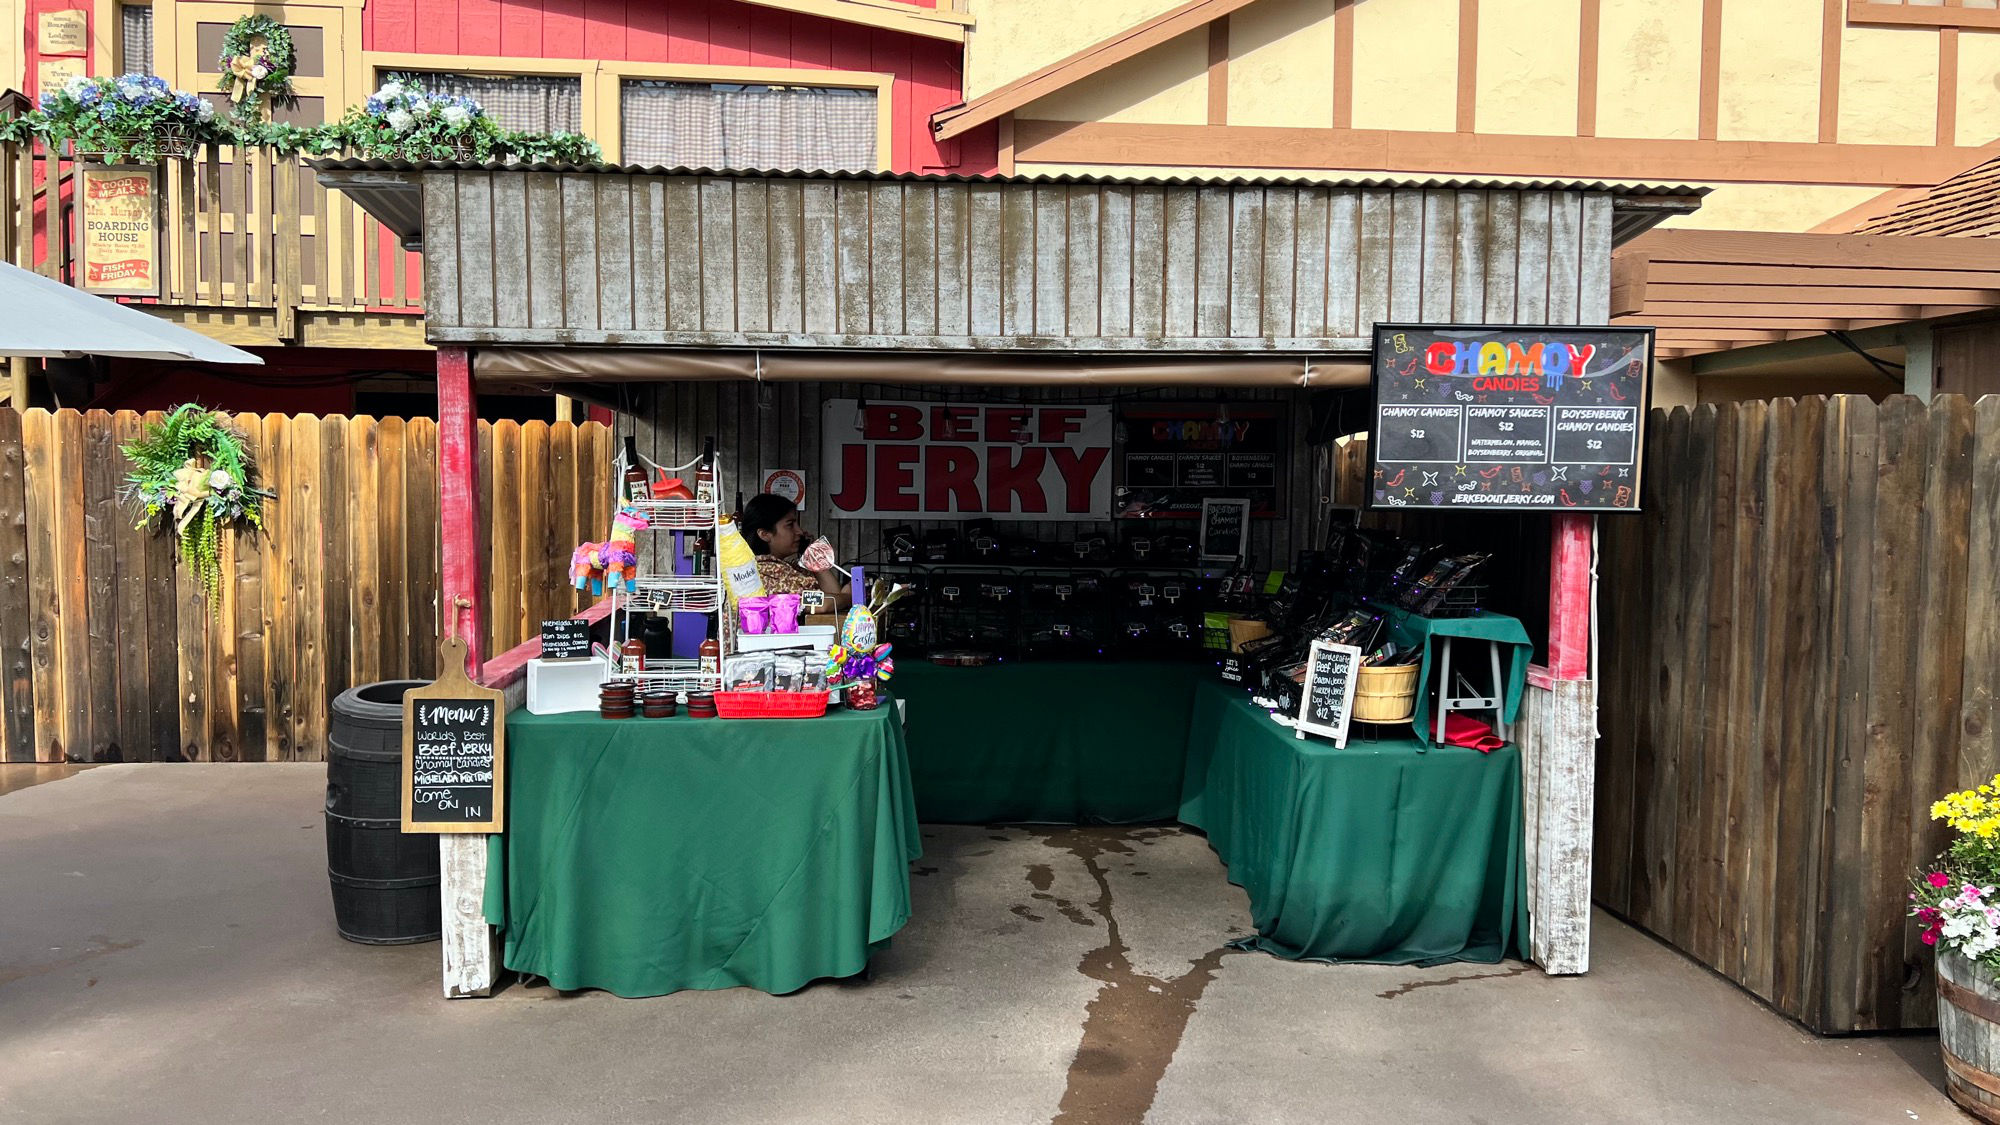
pixel 1560 499
pixel 572 636
pixel 1316 655
pixel 454 688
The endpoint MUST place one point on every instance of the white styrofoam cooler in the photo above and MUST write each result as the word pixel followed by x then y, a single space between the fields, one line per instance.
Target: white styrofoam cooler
pixel 559 686
pixel 816 637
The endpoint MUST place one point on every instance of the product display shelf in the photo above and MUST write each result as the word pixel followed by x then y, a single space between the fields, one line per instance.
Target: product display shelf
pixel 679 590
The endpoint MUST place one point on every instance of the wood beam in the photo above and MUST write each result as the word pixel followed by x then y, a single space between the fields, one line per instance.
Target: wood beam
pixel 1920 15
pixel 1831 31
pixel 1780 248
pixel 1468 65
pixel 1709 91
pixel 1667 292
pixel 1218 72
pixel 1463 155
pixel 1590 26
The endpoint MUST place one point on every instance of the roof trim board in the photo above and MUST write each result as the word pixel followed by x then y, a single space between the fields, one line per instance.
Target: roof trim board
pixel 931 23
pixel 1110 51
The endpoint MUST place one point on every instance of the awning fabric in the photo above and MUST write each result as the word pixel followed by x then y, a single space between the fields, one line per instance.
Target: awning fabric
pixel 991 369
pixel 43 317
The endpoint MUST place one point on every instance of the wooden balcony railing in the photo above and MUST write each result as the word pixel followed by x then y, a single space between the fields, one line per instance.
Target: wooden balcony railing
pixel 240 229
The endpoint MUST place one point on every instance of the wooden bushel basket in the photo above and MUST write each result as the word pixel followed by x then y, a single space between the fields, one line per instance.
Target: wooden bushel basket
pixel 1386 695
pixel 1969 1035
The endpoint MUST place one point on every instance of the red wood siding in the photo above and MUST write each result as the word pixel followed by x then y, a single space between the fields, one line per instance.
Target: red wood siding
pixel 712 32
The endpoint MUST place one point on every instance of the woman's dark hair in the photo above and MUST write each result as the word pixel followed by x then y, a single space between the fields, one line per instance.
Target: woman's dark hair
pixel 763 512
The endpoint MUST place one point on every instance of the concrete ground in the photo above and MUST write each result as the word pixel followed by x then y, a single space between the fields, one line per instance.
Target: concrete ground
pixel 167 954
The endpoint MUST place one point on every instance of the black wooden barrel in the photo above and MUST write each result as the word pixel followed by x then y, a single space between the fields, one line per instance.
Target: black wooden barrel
pixel 385 884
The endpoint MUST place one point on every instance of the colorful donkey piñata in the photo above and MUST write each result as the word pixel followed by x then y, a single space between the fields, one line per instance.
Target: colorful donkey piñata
pixel 616 560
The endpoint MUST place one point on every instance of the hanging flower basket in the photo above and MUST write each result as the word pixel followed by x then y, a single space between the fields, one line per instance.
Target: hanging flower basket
pixel 135 117
pixel 169 141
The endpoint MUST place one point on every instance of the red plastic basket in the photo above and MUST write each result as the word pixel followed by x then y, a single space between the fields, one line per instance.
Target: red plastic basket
pixel 770 704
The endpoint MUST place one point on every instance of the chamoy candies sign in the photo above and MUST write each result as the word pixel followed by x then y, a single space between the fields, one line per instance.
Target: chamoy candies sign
pixel 1522 418
pixel 953 461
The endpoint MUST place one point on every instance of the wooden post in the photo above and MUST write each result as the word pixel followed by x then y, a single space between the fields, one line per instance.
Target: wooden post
pixel 469 961
pixel 1559 741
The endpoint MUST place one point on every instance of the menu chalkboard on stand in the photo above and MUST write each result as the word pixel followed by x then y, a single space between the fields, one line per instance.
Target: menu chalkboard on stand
pixel 1510 417
pixel 565 639
pixel 454 752
pixel 1225 528
pixel 1326 700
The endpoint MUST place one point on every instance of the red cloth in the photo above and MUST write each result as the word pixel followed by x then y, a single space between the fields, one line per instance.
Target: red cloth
pixel 1461 729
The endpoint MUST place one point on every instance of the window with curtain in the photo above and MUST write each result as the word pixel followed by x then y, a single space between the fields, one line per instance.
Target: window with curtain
pixel 783 128
pixel 135 38
pixel 535 103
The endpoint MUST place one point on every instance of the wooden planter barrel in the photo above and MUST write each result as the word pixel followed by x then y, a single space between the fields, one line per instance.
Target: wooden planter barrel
pixel 1969 1034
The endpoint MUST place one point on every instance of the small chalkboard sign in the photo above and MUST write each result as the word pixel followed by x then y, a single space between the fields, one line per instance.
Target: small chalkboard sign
pixel 1225 528
pixel 1326 700
pixel 565 639
pixel 454 752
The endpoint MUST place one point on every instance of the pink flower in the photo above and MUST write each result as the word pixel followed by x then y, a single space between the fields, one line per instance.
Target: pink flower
pixel 1939 879
pixel 1928 915
pixel 1930 937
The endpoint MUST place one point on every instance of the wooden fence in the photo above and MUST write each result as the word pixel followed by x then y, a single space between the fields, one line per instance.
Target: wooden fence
pixel 108 650
pixel 1800 651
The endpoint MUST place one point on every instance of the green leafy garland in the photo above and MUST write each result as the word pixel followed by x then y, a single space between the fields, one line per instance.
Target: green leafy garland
pixel 257 61
pixel 193 468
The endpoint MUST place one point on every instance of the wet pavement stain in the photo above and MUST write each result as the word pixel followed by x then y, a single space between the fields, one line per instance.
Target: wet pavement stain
pixel 1024 912
pixel 1412 986
pixel 915 871
pixel 104 946
pixel 1040 877
pixel 1067 909
pixel 1133 1025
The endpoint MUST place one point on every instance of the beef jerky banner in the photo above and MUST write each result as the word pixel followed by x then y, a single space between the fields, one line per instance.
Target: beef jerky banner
pixel 950 461
pixel 1514 418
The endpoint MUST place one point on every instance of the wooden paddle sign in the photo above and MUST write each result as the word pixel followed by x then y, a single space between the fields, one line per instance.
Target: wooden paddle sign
pixel 454 752
pixel 1326 699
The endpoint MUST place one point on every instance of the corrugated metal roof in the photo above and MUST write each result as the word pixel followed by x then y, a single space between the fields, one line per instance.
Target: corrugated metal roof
pixel 1964 206
pixel 354 165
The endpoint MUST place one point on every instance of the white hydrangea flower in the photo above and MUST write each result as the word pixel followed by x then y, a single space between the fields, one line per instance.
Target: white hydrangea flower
pixel 76 86
pixel 457 116
pixel 206 112
pixel 401 121
pixel 422 107
pixel 389 91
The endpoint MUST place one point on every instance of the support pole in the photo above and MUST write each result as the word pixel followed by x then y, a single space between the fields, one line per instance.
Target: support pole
pixel 469 963
pixel 1561 759
pixel 461 573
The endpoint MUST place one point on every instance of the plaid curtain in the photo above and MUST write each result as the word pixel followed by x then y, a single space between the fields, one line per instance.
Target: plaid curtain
pixel 135 38
pixel 780 128
pixel 537 103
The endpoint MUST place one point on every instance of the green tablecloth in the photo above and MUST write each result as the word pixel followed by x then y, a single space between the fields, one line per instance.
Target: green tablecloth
pixel 1057 742
pixel 1409 629
pixel 645 856
pixel 1373 853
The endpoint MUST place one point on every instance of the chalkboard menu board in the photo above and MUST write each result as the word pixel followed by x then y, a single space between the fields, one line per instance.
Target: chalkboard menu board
pixel 1326 700
pixel 454 752
pixel 565 639
pixel 1171 457
pixel 1509 418
pixel 1225 529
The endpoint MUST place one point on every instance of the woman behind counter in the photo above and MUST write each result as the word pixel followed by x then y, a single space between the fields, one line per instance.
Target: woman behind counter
pixel 770 524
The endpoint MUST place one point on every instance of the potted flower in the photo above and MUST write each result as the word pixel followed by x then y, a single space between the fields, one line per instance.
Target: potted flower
pixel 1957 902
pixel 402 121
pixel 134 116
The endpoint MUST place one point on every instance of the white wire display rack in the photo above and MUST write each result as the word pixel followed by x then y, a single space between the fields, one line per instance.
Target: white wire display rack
pixel 667 591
